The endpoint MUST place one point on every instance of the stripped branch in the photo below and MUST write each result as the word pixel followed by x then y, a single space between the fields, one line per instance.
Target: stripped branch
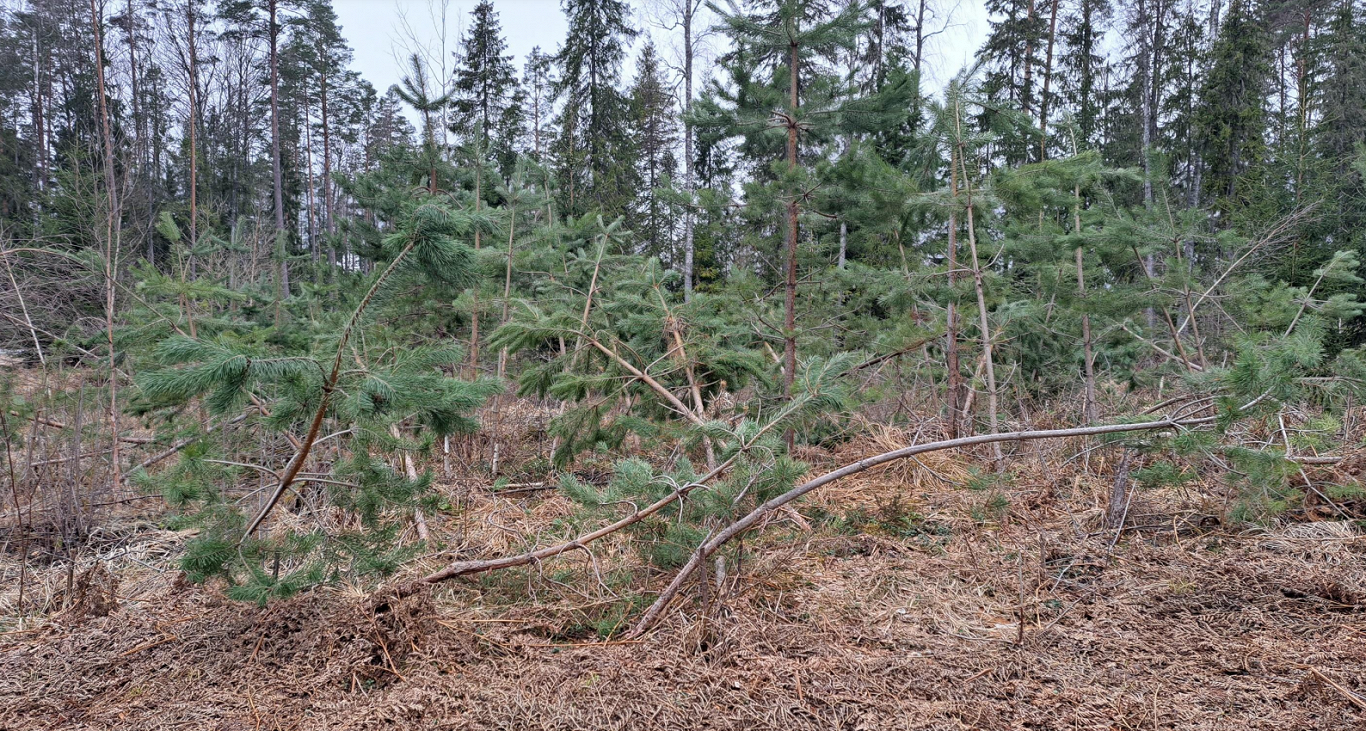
pixel 712 545
pixel 466 568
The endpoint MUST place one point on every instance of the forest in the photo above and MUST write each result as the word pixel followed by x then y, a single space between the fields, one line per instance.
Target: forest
pixel 731 364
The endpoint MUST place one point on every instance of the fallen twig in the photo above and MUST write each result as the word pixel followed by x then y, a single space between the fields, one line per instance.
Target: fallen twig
pixel 1356 700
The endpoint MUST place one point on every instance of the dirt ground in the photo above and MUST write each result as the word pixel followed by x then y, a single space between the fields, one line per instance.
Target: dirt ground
pixel 920 605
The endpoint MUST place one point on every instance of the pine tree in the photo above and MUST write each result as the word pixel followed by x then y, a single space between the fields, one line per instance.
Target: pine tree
pixel 329 58
pixel 264 17
pixel 417 90
pixel 296 386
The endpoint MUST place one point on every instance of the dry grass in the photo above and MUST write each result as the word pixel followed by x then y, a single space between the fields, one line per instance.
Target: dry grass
pixel 933 610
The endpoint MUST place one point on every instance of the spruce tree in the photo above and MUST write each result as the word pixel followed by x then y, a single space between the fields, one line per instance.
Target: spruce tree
pixel 1181 79
pixel 485 99
pixel 1342 91
pixel 1012 51
pixel 538 88
pixel 780 83
pixel 1082 65
pixel 653 115
pixel 593 149
pixel 1231 121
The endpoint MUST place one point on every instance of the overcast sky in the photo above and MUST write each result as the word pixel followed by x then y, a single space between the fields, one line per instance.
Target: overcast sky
pixel 384 32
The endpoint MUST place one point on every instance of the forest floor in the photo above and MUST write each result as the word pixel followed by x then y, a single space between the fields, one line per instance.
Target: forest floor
pixel 914 597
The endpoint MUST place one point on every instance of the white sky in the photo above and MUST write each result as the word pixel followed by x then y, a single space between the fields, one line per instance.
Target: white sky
pixel 384 32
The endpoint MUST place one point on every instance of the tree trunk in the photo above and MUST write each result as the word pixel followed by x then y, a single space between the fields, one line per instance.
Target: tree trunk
pixel 133 86
pixel 193 123
pixel 274 33
pixel 983 322
pixel 111 249
pixel 327 182
pixel 689 182
pixel 844 243
pixel 919 36
pixel 507 284
pixel 1028 63
pixel 1088 353
pixel 39 124
pixel 790 284
pixel 985 326
pixel 134 89
pixel 951 317
pixel 1047 82
pixel 474 317
pixel 1146 59
pixel 312 199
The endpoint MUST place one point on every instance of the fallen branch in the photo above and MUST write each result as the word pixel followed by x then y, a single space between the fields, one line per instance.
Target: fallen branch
pixel 1274 235
pixel 465 568
pixel 1349 695
pixel 880 359
pixel 1311 460
pixel 645 378
pixel 711 546
pixel 1170 356
pixel 61 425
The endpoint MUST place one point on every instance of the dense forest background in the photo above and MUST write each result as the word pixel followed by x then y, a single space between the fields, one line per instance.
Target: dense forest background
pixel 241 278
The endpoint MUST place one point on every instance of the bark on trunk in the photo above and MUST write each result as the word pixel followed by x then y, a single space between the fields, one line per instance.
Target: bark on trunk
pixel 111 247
pixel 507 284
pixel 474 317
pixel 689 182
pixel 327 183
pixel 844 243
pixel 193 122
pixel 951 317
pixel 790 284
pixel 274 33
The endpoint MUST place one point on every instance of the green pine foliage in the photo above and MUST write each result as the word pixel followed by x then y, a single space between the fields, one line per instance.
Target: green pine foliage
pixel 359 379
pixel 1071 228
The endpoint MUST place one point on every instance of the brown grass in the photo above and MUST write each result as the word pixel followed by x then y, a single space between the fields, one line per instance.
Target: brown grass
pixel 928 611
